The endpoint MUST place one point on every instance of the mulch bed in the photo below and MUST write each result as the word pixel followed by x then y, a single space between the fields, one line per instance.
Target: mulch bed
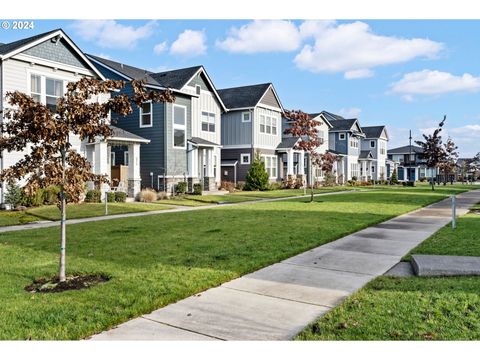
pixel 73 282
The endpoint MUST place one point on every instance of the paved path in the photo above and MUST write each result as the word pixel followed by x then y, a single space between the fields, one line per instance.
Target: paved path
pixel 277 302
pixel 175 208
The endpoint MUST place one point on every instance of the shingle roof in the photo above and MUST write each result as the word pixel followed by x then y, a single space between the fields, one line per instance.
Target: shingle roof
pixel 365 154
pixel 406 150
pixel 123 134
pixel 345 124
pixel 331 116
pixel 336 152
pixel 175 79
pixel 243 96
pixel 373 131
pixel 6 48
pixel 288 142
pixel 200 141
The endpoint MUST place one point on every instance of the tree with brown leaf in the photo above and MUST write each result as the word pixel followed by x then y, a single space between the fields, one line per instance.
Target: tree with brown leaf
pixel 447 165
pixel 46 131
pixel 303 126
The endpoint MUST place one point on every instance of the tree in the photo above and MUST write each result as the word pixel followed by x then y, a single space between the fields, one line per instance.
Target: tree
pixel 45 132
pixel 257 176
pixel 305 128
pixel 449 160
pixel 433 151
pixel 394 177
pixel 325 162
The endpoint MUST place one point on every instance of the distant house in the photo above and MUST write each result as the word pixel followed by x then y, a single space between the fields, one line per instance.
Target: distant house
pixel 42 66
pixel 375 143
pixel 253 124
pixel 185 136
pixel 410 166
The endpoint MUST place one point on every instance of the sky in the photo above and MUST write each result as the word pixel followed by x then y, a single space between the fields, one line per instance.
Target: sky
pixel 405 74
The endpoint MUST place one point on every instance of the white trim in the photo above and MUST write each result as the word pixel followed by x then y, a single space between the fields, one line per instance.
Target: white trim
pixel 340 136
pixel 276 96
pixel 125 158
pixel 179 127
pixel 211 85
pixel 208 113
pixel 374 145
pixel 112 158
pixel 242 108
pixel 140 113
pixel 132 141
pixel 241 146
pixel 241 159
pixel 325 120
pixel 268 107
pixel 273 160
pixel 43 84
pixel 249 117
pixel 198 87
pixel 52 64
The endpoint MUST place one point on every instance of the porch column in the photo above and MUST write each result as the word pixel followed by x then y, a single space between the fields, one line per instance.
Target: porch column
pixel 289 162
pixel 210 162
pixel 89 149
pixel 301 163
pixel 134 180
pixel 191 159
pixel 101 163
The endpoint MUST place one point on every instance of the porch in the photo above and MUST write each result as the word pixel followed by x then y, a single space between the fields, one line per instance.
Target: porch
pixel 291 160
pixel 202 164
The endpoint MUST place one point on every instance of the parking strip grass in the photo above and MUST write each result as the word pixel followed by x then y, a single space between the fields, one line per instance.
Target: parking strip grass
pixel 415 308
pixel 155 260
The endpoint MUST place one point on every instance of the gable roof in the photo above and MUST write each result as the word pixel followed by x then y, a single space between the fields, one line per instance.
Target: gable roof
pixel 121 134
pixel 331 116
pixel 406 150
pixel 373 132
pixel 245 96
pixel 288 142
pixel 315 115
pixel 15 47
pixel 365 154
pixel 343 125
pixel 176 79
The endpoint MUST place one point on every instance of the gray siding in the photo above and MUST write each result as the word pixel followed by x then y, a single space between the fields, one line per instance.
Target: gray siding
pixel 60 52
pixel 200 80
pixel 341 145
pixel 234 131
pixel 352 150
pixel 234 154
pixel 270 99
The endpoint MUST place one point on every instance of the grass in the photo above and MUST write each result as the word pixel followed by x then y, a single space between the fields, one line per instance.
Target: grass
pixel 155 260
pixel 416 308
pixel 219 199
pixel 270 194
pixel 9 218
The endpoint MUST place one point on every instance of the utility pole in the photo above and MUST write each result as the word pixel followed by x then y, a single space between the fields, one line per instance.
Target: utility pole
pixel 410 157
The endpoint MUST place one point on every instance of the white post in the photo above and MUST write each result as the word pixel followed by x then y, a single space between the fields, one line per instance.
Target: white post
pixel 454 212
pixel 301 165
pixel 134 179
pixel 102 163
pixel 289 162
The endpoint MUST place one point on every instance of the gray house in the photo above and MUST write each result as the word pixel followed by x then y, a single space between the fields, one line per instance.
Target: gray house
pixel 375 142
pixel 410 167
pixel 253 124
pixel 184 136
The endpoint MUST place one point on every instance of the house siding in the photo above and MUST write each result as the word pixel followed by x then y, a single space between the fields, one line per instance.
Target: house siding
pixel 60 52
pixel 200 79
pixel 262 140
pixel 242 170
pixel 270 99
pixel 234 131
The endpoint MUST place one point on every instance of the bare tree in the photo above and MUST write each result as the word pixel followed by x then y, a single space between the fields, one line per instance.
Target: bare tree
pixel 45 133
pixel 306 128
pixel 433 151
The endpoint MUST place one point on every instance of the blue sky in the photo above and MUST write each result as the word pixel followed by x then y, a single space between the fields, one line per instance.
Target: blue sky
pixel 405 74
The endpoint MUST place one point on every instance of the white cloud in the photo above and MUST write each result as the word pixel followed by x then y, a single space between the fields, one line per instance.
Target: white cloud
pixel 160 48
pixel 465 137
pixel 110 34
pixel 349 113
pixel 433 82
pixel 354 49
pixel 262 36
pixel 190 43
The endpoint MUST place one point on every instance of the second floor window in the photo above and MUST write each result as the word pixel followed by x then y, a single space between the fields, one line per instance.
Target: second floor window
pixel 46 90
pixel 208 121
pixel 383 149
pixel 268 125
pixel 179 126
pixel 146 115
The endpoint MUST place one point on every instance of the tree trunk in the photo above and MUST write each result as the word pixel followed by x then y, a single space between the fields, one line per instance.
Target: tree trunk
pixel 433 183
pixel 311 187
pixel 63 229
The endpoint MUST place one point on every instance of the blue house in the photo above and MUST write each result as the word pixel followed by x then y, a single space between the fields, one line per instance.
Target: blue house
pixel 410 167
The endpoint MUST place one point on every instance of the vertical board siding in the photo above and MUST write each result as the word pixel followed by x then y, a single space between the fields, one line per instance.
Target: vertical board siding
pixel 262 140
pixel 234 131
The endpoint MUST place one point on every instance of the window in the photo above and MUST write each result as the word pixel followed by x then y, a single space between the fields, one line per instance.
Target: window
pixel 262 123
pixel 321 136
pixel 318 172
pixel 354 169
pixel 179 126
pixel 382 148
pixel 146 115
pixel 208 122
pixel 54 89
pixel 268 125
pixel 198 89
pixel 246 116
pixel 372 143
pixel 36 87
pixel 125 158
pixel 244 159
pixel 274 126
pixel 270 165
pixel 341 136
pixel 112 158
pixel 373 169
pixel 354 142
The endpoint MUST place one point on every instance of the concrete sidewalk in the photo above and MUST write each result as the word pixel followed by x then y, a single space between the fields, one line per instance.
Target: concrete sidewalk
pixel 174 209
pixel 277 302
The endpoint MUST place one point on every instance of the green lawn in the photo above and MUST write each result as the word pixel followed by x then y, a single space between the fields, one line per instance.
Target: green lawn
pixel 416 308
pixel 8 218
pixel 270 194
pixel 155 260
pixel 218 199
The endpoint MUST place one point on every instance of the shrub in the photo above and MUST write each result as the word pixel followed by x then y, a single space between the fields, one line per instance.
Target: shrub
pixel 227 185
pixel 50 195
pixel 275 186
pixel 93 196
pixel 14 195
pixel 240 185
pixel 197 189
pixel 35 199
pixel 147 195
pixel 354 178
pixel 257 176
pixel 394 178
pixel 329 180
pixel 181 187
pixel 289 183
pixel 110 196
pixel 120 196
pixel 162 195
pixel 422 179
pixel 409 183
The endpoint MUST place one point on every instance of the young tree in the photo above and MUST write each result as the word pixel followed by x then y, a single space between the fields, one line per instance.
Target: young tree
pixel 394 177
pixel 257 176
pixel 433 151
pixel 46 132
pixel 325 162
pixel 306 128
pixel 449 160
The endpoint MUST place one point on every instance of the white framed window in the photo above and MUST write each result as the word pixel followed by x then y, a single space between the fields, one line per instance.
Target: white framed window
pixel 179 126
pixel 372 143
pixel 244 159
pixel 354 142
pixel 125 158
pixel 341 136
pixel 268 125
pixel 208 121
pixel 146 119
pixel 383 148
pixel 271 165
pixel 321 136
pixel 274 126
pixel 36 87
pixel 246 116
pixel 354 169
pixel 112 158
pixel 262 123
pixel 373 169
pixel 198 89
pixel 46 90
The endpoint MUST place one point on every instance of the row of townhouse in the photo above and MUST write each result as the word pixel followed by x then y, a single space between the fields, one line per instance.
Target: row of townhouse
pixel 206 135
